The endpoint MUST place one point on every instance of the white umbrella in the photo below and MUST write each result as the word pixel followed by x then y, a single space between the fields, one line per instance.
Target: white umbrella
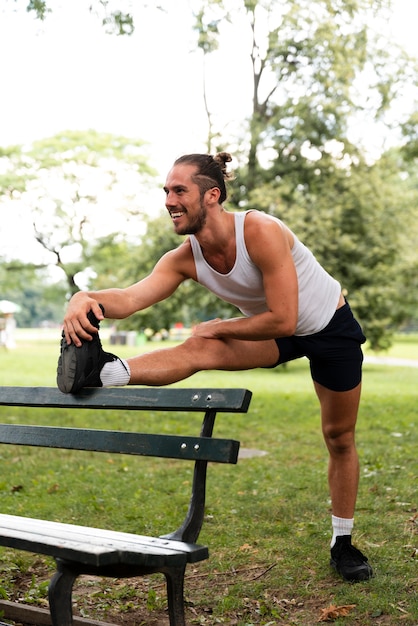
pixel 7 307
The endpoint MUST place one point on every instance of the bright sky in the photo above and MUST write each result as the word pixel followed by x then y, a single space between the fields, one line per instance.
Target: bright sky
pixel 67 74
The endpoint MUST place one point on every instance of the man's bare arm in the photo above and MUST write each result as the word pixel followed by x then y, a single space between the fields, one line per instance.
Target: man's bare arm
pixel 172 269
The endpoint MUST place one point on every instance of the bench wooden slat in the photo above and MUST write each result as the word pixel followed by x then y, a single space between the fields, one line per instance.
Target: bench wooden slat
pixel 93 546
pixel 122 442
pixel 131 398
pixel 26 614
pixel 92 535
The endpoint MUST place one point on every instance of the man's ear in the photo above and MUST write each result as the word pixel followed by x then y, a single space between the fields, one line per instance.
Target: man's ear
pixel 212 195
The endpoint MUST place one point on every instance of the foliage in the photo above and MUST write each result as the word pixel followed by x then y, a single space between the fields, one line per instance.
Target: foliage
pixel 114 19
pixel 309 71
pixel 73 181
pixel 40 300
pixel 13 176
pixel 410 133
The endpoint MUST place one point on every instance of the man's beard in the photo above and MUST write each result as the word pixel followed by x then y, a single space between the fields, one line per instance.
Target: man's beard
pixel 196 225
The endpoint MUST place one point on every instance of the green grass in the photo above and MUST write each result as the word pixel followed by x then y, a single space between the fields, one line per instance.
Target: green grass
pixel 268 518
pixel 405 346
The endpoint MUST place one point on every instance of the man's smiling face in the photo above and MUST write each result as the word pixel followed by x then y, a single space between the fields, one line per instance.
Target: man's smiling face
pixel 184 201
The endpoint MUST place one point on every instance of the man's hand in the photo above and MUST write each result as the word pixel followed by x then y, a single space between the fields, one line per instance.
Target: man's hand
pixel 76 324
pixel 210 329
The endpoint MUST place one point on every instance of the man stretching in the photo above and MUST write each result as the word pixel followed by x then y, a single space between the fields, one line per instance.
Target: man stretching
pixel 291 307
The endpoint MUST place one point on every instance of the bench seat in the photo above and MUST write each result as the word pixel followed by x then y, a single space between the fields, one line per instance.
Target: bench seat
pixel 93 546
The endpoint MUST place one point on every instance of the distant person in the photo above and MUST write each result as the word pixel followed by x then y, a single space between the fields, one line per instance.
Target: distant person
pixel 9 331
pixel 291 308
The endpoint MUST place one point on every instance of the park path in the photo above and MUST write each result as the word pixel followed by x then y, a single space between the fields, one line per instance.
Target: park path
pixel 387 360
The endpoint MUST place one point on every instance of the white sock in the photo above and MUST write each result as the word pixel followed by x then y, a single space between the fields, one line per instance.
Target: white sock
pixel 115 373
pixel 341 526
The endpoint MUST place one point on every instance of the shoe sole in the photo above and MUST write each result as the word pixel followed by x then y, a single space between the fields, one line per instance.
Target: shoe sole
pixel 67 378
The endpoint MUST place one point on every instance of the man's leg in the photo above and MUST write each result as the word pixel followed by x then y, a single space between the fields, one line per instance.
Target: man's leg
pixel 90 366
pixel 169 365
pixel 339 416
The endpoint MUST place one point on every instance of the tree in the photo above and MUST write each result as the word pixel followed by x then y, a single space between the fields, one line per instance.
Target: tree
pixel 39 299
pixel 115 20
pixel 79 187
pixel 317 68
pixel 405 162
pixel 410 134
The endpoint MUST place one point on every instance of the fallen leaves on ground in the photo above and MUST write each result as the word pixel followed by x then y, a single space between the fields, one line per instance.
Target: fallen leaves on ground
pixel 333 612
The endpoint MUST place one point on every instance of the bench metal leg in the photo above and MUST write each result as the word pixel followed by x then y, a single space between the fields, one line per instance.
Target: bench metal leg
pixel 175 595
pixel 60 595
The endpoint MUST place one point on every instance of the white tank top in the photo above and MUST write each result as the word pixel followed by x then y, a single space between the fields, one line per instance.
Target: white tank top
pixel 319 293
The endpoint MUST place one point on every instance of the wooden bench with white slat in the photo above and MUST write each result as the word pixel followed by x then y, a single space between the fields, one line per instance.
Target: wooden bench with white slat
pixel 82 550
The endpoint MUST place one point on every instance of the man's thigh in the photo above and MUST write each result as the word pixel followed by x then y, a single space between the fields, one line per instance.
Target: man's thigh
pixel 237 354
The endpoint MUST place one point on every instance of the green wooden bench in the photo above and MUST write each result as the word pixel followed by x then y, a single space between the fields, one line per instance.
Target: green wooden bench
pixel 82 550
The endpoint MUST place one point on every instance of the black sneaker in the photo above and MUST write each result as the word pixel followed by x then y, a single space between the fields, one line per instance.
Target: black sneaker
pixel 348 561
pixel 81 367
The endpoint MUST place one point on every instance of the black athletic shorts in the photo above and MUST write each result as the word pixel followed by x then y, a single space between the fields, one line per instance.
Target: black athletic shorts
pixel 335 353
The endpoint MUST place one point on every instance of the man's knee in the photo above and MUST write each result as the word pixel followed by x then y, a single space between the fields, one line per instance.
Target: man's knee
pixel 338 439
pixel 208 352
pixel 197 344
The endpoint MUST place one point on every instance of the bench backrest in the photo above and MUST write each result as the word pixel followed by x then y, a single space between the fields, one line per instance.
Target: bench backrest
pixel 200 449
